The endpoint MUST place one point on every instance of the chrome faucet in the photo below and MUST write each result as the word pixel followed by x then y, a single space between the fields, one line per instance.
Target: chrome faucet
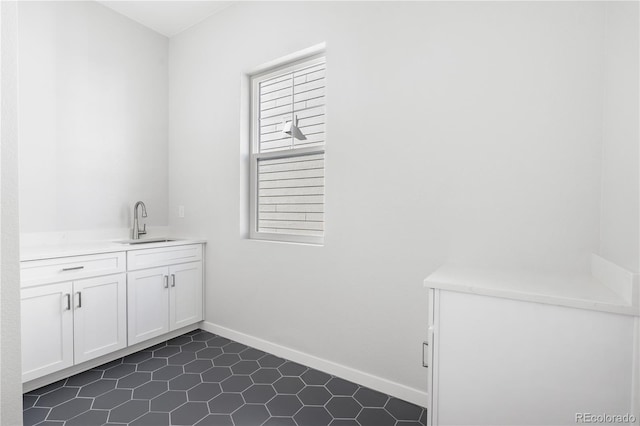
pixel 136 232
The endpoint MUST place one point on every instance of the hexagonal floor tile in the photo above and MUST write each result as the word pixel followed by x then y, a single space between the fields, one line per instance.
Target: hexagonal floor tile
pixel 150 389
pixel 168 401
pixel 265 375
pixel 315 377
pixel 134 380
pixel 271 361
pixel 28 401
pixel 166 352
pixel 252 354
pixel 290 368
pixel 234 348
pixel 167 373
pixel 216 420
pixel 375 417
pixel 343 407
pixel 70 409
pixel 209 353
pixel 193 346
pixel 91 417
pixel 338 386
pixel 152 419
pixel 178 341
pixel 112 399
pixel 218 342
pixel 128 411
pixel 216 374
pixel 288 385
pixel 403 410
pixel 84 378
pixel 184 381
pixel 284 405
pixel 344 422
pixel 250 415
pixel 280 421
pixel 198 366
pixel 314 395
pixel 226 360
pixel 225 403
pixel 244 367
pixel 34 415
pixel 313 416
pixel 202 336
pixel 119 371
pixel 137 357
pixel 370 398
pixel 152 364
pixel 181 358
pixel 259 394
pixel 204 392
pixel 57 397
pixel 236 383
pixel 189 414
pixel 97 388
pixel 212 381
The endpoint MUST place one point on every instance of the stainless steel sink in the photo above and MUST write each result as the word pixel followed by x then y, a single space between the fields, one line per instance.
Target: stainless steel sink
pixel 147 241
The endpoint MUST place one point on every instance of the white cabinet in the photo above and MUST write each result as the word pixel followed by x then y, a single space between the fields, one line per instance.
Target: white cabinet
pixel 47 329
pixel 148 296
pixel 78 308
pixel 497 361
pixel 99 316
pixel 71 322
pixel 163 298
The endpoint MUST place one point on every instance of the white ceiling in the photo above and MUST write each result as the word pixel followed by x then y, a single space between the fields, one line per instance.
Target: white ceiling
pixel 166 17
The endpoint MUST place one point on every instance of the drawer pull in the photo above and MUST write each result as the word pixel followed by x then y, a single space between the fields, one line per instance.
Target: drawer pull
pixel 173 280
pixel 74 268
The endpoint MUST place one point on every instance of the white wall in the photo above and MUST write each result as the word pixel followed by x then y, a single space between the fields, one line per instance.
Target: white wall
pixel 10 363
pixel 93 118
pixel 456 131
pixel 620 223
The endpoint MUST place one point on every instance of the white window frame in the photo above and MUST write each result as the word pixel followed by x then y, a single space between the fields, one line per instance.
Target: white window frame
pixel 282 66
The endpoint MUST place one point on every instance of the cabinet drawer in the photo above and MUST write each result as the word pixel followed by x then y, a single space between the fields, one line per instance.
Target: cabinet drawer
pixel 35 272
pixel 150 258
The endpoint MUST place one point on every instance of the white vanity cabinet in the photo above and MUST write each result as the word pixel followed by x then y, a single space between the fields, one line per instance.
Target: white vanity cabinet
pixel 164 290
pixel 510 348
pixel 73 309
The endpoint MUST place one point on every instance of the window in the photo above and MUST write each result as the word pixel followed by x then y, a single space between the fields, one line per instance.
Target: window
pixel 288 152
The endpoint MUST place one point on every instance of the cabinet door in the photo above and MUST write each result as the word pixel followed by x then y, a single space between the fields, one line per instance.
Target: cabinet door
pixel 148 304
pixel 47 329
pixel 186 294
pixel 100 316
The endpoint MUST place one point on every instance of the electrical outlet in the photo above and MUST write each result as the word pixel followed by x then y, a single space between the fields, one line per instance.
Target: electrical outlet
pixel 180 211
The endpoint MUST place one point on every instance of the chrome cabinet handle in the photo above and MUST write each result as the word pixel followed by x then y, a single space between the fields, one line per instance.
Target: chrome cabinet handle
pixel 173 280
pixel 79 299
pixel 425 345
pixel 166 281
pixel 68 296
pixel 75 268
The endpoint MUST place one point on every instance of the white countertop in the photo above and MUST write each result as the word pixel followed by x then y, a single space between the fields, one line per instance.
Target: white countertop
pixel 49 251
pixel 562 289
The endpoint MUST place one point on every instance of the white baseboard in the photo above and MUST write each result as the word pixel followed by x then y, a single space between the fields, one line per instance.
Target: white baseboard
pixel 397 390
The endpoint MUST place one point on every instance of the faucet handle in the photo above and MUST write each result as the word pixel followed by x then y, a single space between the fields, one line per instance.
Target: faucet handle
pixel 144 229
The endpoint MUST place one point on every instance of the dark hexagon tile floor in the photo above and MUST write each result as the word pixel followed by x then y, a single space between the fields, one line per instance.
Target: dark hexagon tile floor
pixel 207 380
